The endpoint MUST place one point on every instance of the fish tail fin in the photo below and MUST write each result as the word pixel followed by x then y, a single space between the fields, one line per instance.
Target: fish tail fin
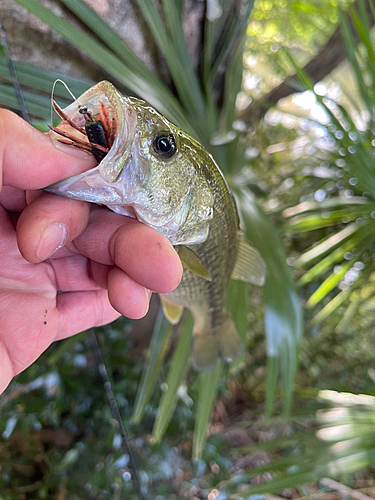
pixel 221 343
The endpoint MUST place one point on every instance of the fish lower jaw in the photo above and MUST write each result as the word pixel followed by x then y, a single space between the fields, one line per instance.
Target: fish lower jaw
pixel 176 234
pixel 126 210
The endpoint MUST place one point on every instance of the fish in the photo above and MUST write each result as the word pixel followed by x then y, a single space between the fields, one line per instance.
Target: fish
pixel 151 170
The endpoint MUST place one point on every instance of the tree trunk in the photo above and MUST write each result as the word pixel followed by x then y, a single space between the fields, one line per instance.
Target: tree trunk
pixel 34 42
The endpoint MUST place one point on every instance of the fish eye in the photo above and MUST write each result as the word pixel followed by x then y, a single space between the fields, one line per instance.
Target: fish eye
pixel 164 145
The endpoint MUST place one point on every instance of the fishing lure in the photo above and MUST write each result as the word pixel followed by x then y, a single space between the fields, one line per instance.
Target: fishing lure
pixel 98 134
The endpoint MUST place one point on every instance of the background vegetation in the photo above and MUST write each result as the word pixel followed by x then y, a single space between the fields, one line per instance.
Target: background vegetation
pixel 298 154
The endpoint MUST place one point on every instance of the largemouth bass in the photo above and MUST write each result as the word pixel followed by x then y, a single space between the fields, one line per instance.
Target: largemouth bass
pixel 151 170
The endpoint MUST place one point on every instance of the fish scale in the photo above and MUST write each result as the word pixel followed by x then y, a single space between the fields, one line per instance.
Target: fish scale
pixel 207 299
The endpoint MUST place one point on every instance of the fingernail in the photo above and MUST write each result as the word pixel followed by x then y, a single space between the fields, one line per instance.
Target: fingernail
pixel 52 238
pixel 71 150
pixel 148 295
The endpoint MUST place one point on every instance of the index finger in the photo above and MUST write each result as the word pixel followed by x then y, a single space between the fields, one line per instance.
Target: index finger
pixel 30 160
pixel 141 252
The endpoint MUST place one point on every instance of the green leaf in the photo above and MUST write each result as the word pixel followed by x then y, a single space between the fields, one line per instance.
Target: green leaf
pixel 339 299
pixel 113 41
pixel 273 369
pixel 208 386
pixel 239 302
pixel 330 308
pixel 42 80
pixel 37 105
pixel 280 483
pixel 148 89
pixel 334 202
pixel 364 295
pixel 231 35
pixel 327 244
pixel 344 443
pixel 159 347
pixel 350 46
pixel 329 283
pixel 175 52
pixel 336 256
pixel 282 312
pixel 326 219
pixel 179 367
pixel 173 17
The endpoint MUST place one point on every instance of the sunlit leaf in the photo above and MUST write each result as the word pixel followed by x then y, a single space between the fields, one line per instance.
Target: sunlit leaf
pixel 310 222
pixel 336 256
pixel 327 244
pixel 334 202
pixel 329 283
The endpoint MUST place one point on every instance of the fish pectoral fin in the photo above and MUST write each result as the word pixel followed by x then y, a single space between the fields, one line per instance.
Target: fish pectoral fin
pixel 220 343
pixel 250 266
pixel 192 262
pixel 172 312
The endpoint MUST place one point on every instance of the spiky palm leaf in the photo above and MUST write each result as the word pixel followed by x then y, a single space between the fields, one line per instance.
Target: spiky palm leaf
pixel 342 263
pixel 337 442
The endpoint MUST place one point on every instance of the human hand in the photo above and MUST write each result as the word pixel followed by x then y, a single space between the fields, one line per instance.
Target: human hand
pixel 105 263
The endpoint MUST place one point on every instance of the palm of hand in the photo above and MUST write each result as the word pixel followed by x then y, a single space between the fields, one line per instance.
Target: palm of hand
pixel 27 301
pixel 106 264
pixel 30 306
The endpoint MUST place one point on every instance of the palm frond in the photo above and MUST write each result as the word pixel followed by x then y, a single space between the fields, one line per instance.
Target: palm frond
pixel 343 444
pixel 340 262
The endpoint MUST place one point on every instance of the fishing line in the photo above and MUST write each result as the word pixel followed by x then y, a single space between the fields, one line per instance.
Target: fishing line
pixel 116 413
pixel 13 74
pixel 92 336
pixel 53 91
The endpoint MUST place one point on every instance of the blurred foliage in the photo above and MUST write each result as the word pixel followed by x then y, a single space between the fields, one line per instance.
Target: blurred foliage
pixel 59 440
pixel 73 446
pixel 340 210
pixel 293 24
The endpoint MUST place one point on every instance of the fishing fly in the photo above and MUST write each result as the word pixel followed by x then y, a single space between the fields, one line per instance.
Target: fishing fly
pixel 96 136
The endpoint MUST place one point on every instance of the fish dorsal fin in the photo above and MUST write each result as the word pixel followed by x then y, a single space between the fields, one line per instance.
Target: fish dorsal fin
pixel 192 262
pixel 250 266
pixel 172 312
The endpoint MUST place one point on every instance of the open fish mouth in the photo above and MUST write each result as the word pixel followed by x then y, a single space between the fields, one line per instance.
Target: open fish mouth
pixel 101 123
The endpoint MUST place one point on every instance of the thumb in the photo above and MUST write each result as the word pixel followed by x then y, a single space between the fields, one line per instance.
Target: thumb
pixel 30 160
